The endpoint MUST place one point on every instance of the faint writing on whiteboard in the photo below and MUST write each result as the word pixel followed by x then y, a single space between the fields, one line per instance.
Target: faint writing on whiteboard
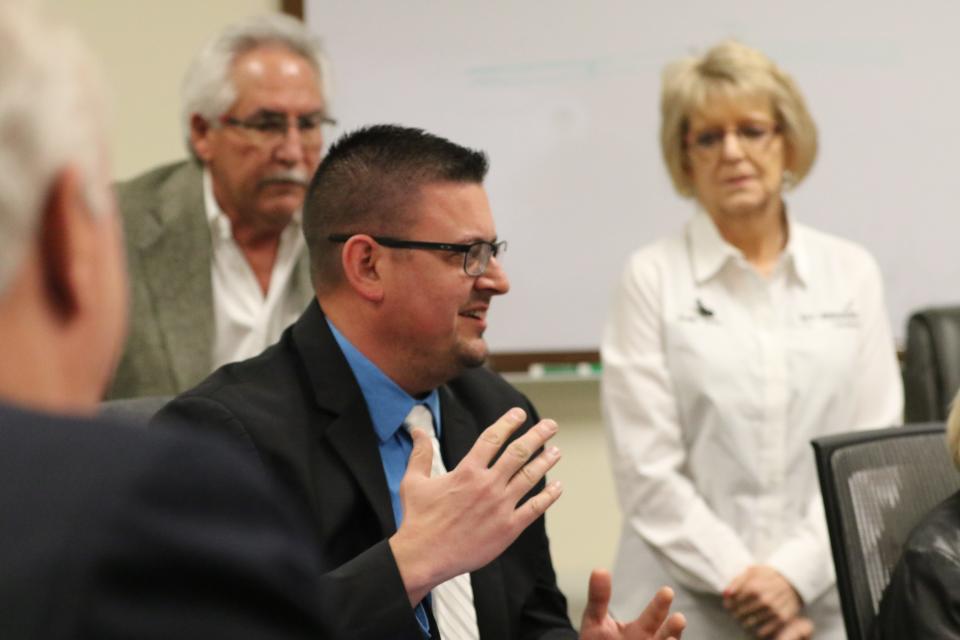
pixel 557 71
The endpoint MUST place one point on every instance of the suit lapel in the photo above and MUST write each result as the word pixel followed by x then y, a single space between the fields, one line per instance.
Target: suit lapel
pixel 352 436
pixel 176 267
pixel 459 431
pixel 336 391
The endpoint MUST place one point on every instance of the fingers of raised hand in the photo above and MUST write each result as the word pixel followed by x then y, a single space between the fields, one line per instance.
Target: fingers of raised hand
pixel 651 620
pixel 599 589
pixel 495 436
pixel 536 506
pixel 673 628
pixel 517 454
pixel 532 472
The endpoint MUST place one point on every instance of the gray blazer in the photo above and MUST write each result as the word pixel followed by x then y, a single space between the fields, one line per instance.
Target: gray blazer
pixel 170 345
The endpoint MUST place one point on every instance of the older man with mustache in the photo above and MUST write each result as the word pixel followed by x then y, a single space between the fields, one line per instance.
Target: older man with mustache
pixel 215 251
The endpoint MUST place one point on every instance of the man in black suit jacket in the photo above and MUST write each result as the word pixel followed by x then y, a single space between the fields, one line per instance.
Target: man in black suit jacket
pixel 297 408
pixel 108 531
pixel 404 259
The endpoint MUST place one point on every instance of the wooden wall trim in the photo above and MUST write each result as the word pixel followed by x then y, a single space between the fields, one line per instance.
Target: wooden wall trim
pixel 292 7
pixel 521 360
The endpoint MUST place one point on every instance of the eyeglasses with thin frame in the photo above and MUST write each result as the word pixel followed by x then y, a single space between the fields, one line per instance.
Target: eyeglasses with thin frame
pixel 754 138
pixel 269 128
pixel 476 255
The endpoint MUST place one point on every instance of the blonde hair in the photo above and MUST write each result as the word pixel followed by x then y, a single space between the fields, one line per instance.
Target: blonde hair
pixel 736 71
pixel 953 431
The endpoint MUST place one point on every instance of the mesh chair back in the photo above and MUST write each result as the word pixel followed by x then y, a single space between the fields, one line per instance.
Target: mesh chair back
pixel 134 411
pixel 931 366
pixel 877 485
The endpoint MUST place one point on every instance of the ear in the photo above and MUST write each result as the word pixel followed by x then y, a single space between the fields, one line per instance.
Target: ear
pixel 65 244
pixel 200 132
pixel 361 260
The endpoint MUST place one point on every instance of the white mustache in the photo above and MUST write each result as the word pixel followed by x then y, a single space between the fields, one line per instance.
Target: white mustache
pixel 295 176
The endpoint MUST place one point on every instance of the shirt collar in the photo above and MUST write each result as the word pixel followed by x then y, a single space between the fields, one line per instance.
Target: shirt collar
pixel 387 403
pixel 218 221
pixel 710 252
pixel 796 251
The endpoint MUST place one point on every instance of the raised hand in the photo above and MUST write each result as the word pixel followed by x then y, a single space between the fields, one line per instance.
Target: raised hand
pixel 460 521
pixel 654 622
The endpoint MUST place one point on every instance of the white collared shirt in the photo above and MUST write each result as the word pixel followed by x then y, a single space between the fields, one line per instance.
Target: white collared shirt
pixel 246 321
pixel 715 379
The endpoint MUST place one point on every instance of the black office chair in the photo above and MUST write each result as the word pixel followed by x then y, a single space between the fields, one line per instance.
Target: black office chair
pixel 877 485
pixel 931 366
pixel 134 411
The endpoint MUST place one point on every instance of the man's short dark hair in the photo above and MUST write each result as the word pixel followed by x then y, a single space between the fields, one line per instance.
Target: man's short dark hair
pixel 368 182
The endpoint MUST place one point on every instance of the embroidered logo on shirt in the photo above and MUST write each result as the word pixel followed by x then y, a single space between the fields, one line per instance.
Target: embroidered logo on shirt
pixel 846 317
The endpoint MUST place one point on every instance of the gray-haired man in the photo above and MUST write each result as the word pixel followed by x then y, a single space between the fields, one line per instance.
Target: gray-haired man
pixel 215 251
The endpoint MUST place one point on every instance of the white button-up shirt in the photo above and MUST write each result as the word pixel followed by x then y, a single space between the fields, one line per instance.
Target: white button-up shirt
pixel 715 379
pixel 245 320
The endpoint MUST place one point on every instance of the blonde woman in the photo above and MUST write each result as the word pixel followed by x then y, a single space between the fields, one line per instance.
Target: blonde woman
pixel 728 347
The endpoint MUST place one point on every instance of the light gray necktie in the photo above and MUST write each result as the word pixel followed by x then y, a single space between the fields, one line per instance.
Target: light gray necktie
pixel 453 600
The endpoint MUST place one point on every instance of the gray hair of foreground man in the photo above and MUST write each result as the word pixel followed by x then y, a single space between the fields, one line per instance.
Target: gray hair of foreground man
pixel 51 116
pixel 369 183
pixel 207 88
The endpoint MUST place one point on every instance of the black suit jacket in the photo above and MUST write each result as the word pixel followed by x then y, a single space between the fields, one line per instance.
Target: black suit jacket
pixel 922 600
pixel 299 409
pixel 107 531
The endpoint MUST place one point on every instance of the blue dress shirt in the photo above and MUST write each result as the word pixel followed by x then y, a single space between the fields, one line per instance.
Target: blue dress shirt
pixel 389 405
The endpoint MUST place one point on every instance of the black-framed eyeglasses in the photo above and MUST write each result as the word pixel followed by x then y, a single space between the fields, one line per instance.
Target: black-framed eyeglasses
pixel 476 255
pixel 271 127
pixel 754 137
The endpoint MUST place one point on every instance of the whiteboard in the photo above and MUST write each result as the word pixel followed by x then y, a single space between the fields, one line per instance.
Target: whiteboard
pixel 564 96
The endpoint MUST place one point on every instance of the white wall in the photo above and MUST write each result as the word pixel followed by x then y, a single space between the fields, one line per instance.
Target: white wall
pixel 584 525
pixel 145 48
pixel 564 95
